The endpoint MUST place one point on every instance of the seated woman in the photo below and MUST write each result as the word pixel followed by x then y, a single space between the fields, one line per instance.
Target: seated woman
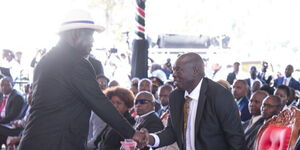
pixel 122 99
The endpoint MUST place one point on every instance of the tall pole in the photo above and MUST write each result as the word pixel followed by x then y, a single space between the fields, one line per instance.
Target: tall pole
pixel 139 63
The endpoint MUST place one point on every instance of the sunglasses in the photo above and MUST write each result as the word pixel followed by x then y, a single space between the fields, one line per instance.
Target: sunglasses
pixel 141 101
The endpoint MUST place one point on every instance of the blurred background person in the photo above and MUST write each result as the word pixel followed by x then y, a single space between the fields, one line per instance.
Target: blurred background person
pixel 231 77
pixel 240 90
pixel 122 99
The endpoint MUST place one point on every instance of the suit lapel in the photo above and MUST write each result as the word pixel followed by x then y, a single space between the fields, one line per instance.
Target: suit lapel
pixel 9 100
pixel 176 110
pixel 201 103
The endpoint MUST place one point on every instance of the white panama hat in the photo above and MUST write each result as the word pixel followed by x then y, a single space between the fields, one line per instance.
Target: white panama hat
pixel 79 19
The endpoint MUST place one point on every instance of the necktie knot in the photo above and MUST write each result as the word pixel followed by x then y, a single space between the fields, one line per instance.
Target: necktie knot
pixel 139 119
pixel 187 99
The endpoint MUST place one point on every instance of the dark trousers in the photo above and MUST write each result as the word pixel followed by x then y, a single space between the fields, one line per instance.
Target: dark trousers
pixel 5 132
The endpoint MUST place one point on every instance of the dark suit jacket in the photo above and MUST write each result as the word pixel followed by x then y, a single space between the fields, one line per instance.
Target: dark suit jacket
pixel 109 139
pixel 297 147
pixel 152 123
pixel 97 65
pixel 250 134
pixel 218 124
pixel 293 83
pixel 231 77
pixel 14 107
pixel 243 107
pixel 65 91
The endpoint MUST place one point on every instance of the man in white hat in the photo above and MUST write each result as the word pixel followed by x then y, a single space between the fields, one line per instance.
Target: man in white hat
pixel 65 91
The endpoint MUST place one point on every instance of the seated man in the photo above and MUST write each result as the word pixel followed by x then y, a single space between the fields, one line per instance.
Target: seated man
pixel 283 92
pixel 11 105
pixel 146 85
pixel 163 95
pixel 271 106
pixel 252 126
pixel 240 91
pixel 144 107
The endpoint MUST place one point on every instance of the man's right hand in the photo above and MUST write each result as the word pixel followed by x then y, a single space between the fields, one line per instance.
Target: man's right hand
pixel 140 138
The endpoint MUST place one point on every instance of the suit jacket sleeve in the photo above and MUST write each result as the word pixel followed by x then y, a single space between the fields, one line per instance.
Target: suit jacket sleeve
pixel 167 136
pixel 229 118
pixel 14 108
pixel 153 125
pixel 84 81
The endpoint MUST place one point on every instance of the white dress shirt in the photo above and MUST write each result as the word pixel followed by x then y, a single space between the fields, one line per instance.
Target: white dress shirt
pixel 190 131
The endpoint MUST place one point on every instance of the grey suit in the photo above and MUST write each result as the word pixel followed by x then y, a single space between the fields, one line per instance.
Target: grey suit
pixel 217 125
pixel 65 92
pixel 250 134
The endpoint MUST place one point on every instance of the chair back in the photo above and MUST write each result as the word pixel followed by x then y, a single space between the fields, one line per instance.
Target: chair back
pixel 280 132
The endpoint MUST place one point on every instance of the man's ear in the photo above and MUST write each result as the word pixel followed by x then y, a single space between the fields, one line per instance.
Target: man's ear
pixel 196 70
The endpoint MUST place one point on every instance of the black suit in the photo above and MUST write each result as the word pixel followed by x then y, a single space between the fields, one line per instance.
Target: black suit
pixel 97 65
pixel 217 125
pixel 231 77
pixel 152 123
pixel 65 91
pixel 14 107
pixel 250 133
pixel 109 139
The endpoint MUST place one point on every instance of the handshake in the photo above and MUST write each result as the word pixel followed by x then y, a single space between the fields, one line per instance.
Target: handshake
pixel 143 138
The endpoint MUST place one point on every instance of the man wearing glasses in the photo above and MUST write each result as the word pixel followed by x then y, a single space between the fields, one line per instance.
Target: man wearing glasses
pixel 271 106
pixel 147 118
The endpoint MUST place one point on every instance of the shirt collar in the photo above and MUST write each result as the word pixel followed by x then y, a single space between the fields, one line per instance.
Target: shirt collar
pixel 165 107
pixel 6 95
pixel 255 118
pixel 239 100
pixel 146 114
pixel 288 78
pixel 195 93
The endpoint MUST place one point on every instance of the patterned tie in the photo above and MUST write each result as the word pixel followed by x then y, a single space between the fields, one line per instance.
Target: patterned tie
pixel 138 121
pixel 186 109
pixel 3 103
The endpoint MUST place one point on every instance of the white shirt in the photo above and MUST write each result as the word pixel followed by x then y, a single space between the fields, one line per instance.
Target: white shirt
pixel 2 113
pixel 190 131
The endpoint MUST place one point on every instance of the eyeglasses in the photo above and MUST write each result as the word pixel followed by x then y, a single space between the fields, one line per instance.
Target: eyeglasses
pixel 270 105
pixel 141 101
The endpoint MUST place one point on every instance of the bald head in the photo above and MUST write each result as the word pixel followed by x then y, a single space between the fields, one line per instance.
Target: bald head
pixel 145 85
pixel 145 95
pixel 289 70
pixel 188 71
pixel 271 106
pixel 195 60
pixel 240 89
pixel 144 102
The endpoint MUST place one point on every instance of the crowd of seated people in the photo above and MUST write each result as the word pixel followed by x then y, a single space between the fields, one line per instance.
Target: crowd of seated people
pixel 144 103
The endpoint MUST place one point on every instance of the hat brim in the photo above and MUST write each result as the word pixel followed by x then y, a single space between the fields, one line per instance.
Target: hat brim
pixel 67 27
